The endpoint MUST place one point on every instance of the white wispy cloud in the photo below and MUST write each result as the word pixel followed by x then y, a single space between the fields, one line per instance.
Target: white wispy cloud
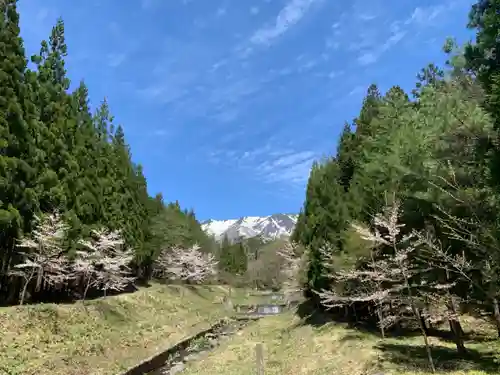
pixel 42 15
pixel 273 164
pixel 371 41
pixel 396 34
pixel 335 73
pixel 357 90
pixel 160 133
pixel 425 15
pixel 367 58
pixel 37 21
pixel 116 59
pixel 254 10
pixel 291 14
pixel 292 159
pixel 255 153
pixel 291 169
pixel 422 17
pixel 270 163
pixel 367 16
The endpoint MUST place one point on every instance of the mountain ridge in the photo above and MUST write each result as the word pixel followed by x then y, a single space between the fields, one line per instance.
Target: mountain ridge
pixel 268 227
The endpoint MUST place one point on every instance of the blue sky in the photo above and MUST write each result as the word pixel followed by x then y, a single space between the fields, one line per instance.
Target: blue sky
pixel 227 103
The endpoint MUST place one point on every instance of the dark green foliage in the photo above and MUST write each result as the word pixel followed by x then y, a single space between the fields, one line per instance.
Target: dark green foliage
pixel 173 227
pixel 431 75
pixel 18 129
pixel 438 155
pixel 481 56
pixel 233 257
pixel 56 155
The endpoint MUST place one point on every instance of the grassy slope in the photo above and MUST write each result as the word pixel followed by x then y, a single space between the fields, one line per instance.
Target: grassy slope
pixel 291 347
pixel 106 335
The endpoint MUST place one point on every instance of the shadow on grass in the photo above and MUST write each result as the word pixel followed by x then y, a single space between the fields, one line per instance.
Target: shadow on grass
pixel 174 289
pixel 109 312
pixel 312 315
pixel 414 358
pixel 409 357
pixel 196 290
pixel 352 336
pixel 446 335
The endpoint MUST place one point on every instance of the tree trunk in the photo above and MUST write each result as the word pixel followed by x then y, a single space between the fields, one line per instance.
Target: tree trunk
pixel 25 286
pixel 23 292
pixel 422 327
pixel 456 327
pixel 426 339
pixel 428 308
pixel 496 314
pixel 457 335
pixel 397 324
pixel 86 289
pixel 424 323
pixel 424 334
pixel 381 321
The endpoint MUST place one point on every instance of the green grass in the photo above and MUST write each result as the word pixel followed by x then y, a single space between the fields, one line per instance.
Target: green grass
pixel 292 347
pixel 106 335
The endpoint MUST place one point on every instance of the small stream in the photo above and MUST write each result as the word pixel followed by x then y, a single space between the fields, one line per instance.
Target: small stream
pixel 200 347
pixel 173 360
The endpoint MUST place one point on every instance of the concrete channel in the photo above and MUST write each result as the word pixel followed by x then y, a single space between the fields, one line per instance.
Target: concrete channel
pixel 174 359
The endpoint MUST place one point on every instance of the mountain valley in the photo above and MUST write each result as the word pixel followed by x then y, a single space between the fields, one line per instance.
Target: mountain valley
pixel 268 227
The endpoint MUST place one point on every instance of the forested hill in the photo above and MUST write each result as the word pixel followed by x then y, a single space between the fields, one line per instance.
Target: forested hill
pixel 407 211
pixel 59 155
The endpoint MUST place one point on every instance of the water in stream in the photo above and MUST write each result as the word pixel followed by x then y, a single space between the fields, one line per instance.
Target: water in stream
pixel 196 348
pixel 200 347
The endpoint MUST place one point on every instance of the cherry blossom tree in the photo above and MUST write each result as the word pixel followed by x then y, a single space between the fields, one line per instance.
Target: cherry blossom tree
pixel 104 262
pixel 44 256
pixel 390 280
pixel 190 265
pixel 294 263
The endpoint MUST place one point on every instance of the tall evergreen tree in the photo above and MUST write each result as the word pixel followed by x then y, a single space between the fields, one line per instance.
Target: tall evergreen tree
pixel 18 197
pixel 54 155
pixel 431 75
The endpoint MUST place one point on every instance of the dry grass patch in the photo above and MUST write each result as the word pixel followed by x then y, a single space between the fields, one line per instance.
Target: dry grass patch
pixel 106 335
pixel 289 348
pixel 292 347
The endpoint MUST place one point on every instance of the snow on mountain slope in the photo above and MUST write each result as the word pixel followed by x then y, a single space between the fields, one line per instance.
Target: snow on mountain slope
pixel 269 227
pixel 217 228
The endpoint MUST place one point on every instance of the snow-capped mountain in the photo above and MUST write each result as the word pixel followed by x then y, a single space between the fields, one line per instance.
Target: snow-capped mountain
pixel 268 227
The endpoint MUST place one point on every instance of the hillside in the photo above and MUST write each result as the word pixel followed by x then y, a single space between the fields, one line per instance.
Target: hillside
pixel 106 335
pixel 292 345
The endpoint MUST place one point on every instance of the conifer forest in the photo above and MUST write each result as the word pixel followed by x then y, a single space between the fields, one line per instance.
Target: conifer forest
pixel 67 176
pixel 403 221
